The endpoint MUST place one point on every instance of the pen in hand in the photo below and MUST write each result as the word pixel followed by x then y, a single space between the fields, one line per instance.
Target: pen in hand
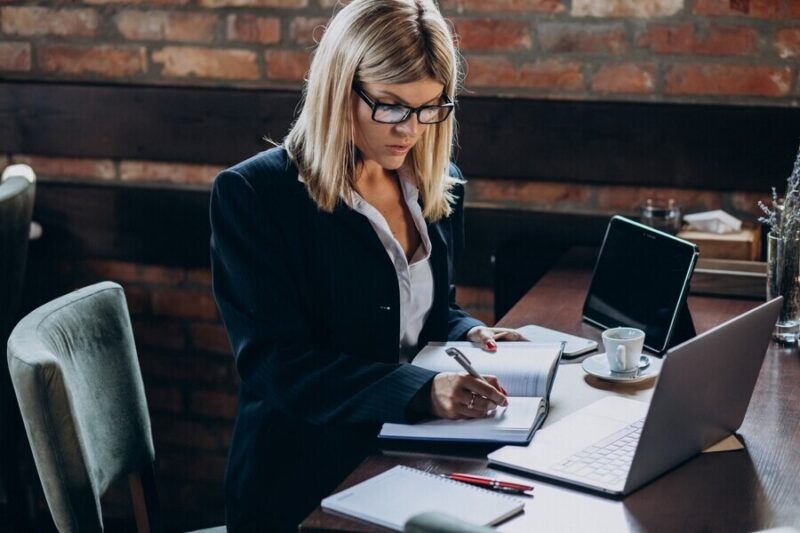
pixel 462 360
pixel 465 363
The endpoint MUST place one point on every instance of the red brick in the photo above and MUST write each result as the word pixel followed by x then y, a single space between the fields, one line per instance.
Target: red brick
pixel 682 39
pixel 15 56
pixel 501 72
pixel 723 8
pixel 185 61
pixel 184 303
pixel 192 466
pixel 166 25
pixel 252 29
pixel 210 338
pixel 186 434
pixel 629 199
pixel 286 65
pixel 304 30
pixel 151 171
pixel 538 6
pixel 515 193
pixel 748 201
pixel 63 22
pixel 493 34
pixel 159 334
pixel 741 80
pixel 787 42
pixel 164 399
pixel 213 404
pixel 193 370
pixel 794 8
pixel 626 8
pixel 624 78
pixel 67 167
pixel 125 272
pixel 105 61
pixel 138 300
pixel 145 2
pixel 581 38
pixel 199 276
pixel 283 4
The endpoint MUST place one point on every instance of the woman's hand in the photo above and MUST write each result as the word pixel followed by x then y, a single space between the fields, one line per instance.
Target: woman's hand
pixel 487 337
pixel 463 396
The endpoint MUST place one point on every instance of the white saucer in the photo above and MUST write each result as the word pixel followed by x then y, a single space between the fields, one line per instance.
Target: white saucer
pixel 597 366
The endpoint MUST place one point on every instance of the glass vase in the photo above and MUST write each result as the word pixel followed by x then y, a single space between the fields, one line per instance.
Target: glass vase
pixel 783 279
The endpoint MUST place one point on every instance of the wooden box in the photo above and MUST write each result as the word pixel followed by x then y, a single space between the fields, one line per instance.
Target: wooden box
pixel 744 245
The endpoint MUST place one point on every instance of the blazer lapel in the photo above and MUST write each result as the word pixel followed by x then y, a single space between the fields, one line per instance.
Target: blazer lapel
pixel 436 326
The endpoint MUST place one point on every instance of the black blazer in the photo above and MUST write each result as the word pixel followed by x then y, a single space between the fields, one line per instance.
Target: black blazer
pixel 310 302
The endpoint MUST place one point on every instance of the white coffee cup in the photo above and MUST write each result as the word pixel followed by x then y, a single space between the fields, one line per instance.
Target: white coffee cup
pixel 623 348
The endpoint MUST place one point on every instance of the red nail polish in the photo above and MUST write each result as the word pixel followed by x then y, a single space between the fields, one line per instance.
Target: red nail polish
pixel 491 345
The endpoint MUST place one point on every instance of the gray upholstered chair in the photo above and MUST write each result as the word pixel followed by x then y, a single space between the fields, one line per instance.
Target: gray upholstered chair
pixel 435 522
pixel 76 375
pixel 17 191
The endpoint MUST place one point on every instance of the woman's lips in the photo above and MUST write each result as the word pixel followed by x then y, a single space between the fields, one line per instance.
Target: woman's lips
pixel 398 149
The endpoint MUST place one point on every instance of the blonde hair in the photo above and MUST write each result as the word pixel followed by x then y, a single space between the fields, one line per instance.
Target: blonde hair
pixel 375 41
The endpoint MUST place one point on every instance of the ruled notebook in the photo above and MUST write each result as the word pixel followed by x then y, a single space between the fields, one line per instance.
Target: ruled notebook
pixel 392 498
pixel 525 369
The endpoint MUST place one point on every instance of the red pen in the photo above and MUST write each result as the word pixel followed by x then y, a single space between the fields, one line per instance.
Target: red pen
pixel 489 483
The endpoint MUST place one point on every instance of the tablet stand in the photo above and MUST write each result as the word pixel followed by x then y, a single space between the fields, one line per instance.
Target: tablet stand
pixel 684 327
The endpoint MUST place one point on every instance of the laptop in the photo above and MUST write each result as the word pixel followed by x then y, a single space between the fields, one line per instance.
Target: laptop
pixel 617 445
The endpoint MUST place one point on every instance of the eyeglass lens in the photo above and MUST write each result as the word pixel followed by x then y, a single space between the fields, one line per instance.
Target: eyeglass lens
pixel 394 113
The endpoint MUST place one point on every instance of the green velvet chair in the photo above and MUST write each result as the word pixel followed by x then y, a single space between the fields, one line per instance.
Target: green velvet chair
pixel 76 375
pixel 17 192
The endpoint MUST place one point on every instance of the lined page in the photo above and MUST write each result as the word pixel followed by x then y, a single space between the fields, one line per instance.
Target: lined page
pixel 392 498
pixel 521 367
pixel 512 424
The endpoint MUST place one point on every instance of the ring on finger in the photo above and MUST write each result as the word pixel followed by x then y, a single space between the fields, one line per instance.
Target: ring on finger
pixel 471 401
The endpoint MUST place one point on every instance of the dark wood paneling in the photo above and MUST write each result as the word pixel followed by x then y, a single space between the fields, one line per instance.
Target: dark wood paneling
pixel 170 226
pixel 166 226
pixel 704 146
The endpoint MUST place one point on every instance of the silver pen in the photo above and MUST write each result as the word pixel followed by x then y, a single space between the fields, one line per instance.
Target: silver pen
pixel 462 360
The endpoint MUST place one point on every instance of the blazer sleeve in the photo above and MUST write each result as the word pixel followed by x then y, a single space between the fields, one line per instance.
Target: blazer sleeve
pixel 258 297
pixel 459 322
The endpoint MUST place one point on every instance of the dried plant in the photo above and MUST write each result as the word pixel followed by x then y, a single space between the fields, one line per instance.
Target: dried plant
pixel 783 216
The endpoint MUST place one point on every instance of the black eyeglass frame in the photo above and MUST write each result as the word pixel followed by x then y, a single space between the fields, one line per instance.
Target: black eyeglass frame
pixel 373 104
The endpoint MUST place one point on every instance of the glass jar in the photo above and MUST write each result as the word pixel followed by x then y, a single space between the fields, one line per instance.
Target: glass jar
pixel 783 279
pixel 663 215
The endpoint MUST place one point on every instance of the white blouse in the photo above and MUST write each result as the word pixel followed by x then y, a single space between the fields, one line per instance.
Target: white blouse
pixel 414 279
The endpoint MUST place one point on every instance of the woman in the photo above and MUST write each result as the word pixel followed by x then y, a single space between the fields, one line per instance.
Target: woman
pixel 333 259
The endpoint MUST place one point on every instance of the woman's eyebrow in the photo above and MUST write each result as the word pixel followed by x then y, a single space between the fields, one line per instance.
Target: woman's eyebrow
pixel 402 101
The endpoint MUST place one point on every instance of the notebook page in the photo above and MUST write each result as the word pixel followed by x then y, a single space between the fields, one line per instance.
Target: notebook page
pixel 521 367
pixel 392 498
pixel 508 424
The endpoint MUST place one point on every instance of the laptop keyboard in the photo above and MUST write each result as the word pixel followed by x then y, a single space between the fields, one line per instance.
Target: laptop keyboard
pixel 606 461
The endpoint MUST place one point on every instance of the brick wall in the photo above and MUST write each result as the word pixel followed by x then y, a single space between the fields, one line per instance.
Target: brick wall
pixel 661 50
pixel 714 51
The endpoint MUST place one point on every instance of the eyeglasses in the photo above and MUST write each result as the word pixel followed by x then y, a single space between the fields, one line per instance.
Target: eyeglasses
pixel 397 113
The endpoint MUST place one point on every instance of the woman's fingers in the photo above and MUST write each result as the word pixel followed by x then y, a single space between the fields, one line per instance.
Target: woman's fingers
pixel 507 334
pixel 490 392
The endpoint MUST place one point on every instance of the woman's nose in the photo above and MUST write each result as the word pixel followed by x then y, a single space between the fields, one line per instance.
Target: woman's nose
pixel 409 126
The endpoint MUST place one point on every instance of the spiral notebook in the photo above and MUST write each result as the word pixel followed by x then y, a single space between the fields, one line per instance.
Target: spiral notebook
pixel 392 498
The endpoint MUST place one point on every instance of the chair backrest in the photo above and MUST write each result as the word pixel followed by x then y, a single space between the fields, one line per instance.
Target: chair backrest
pixel 76 375
pixel 17 191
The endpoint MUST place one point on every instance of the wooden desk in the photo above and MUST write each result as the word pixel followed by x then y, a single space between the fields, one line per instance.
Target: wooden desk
pixel 732 491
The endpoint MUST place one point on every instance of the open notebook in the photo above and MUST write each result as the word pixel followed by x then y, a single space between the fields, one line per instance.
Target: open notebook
pixel 392 498
pixel 525 369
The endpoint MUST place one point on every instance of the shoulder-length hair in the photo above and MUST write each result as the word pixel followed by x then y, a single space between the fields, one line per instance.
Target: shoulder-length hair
pixel 375 41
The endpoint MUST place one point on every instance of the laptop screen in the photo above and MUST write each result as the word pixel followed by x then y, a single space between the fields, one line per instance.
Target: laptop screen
pixel 640 280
